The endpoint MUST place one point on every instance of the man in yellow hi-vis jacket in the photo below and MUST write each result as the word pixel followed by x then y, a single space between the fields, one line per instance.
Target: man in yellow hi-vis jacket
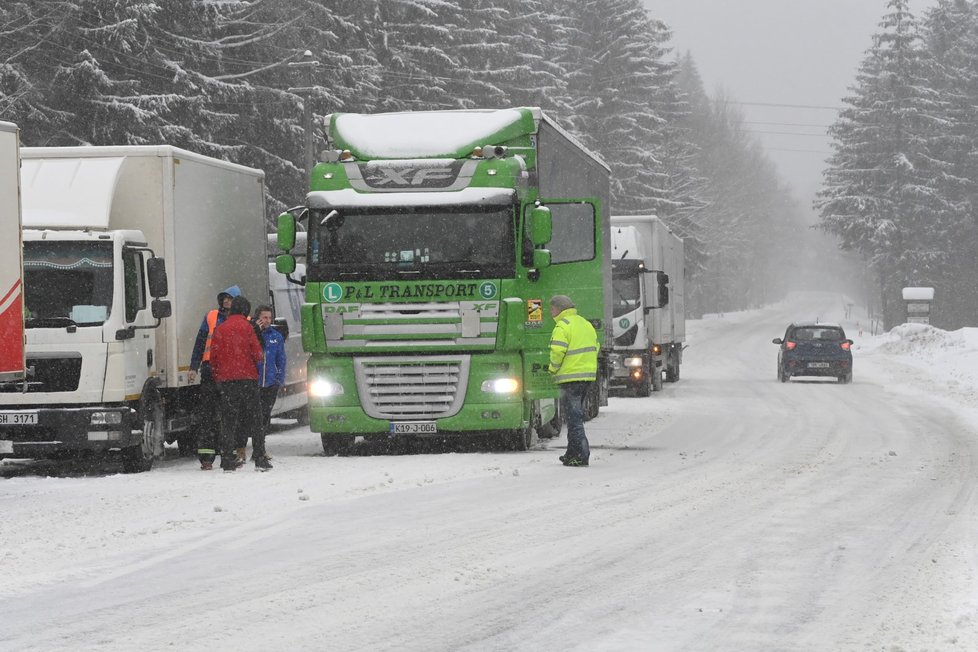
pixel 574 365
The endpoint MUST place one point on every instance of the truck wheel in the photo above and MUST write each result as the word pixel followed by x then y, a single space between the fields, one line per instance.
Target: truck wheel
pixel 592 402
pixel 656 379
pixel 139 459
pixel 672 373
pixel 334 444
pixel 644 388
pixel 523 438
pixel 551 429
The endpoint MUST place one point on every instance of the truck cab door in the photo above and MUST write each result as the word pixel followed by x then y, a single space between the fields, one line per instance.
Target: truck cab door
pixel 578 268
pixel 138 343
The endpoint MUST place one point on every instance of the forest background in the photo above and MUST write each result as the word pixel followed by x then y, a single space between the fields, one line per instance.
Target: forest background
pixel 215 77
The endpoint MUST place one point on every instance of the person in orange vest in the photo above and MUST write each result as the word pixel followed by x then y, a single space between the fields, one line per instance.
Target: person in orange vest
pixel 200 362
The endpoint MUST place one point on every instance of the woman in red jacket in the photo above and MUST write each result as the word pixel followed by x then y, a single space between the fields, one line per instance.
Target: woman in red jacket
pixel 235 352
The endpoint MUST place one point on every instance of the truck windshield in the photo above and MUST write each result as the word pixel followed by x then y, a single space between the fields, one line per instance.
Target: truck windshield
pixel 413 242
pixel 67 283
pixel 626 294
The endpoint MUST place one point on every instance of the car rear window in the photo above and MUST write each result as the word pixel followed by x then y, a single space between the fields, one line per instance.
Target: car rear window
pixel 809 334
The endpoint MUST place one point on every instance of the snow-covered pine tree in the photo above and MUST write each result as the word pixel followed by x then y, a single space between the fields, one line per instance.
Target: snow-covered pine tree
pixel 412 40
pixel 950 31
pixel 114 78
pixel 24 49
pixel 506 53
pixel 881 193
pixel 613 56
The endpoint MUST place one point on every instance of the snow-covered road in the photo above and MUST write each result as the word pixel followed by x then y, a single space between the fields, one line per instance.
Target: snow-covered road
pixel 729 512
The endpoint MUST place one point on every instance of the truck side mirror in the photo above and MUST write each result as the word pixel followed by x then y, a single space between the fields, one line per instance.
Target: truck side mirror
pixel 285 233
pixel 663 289
pixel 285 263
pixel 541 258
pixel 161 309
pixel 156 272
pixel 541 226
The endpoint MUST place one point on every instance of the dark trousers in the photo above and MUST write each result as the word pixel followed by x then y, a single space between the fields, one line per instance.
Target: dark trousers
pixel 572 404
pixel 268 396
pixel 208 424
pixel 240 415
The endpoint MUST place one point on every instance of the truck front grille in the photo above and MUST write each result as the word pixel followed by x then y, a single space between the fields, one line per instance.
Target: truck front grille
pixel 412 388
pixel 49 375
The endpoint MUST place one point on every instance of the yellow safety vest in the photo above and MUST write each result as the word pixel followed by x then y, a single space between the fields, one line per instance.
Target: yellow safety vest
pixel 573 348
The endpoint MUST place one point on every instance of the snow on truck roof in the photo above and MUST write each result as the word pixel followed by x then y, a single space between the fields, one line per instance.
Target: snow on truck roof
pixel 431 134
pixel 421 134
pixel 86 179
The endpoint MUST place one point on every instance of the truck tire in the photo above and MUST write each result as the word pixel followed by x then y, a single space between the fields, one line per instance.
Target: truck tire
pixel 334 444
pixel 140 458
pixel 551 429
pixel 672 372
pixel 592 402
pixel 523 439
pixel 656 379
pixel 644 387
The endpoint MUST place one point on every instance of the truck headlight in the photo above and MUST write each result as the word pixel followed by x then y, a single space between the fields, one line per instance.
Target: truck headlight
pixel 501 386
pixel 106 418
pixel 633 362
pixel 322 388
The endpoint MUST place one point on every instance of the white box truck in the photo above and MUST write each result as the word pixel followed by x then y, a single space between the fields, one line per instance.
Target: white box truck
pixel 12 362
pixel 648 275
pixel 108 355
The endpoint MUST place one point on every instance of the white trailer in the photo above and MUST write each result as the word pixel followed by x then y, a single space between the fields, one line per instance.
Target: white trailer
pixel 648 274
pixel 12 361
pixel 109 355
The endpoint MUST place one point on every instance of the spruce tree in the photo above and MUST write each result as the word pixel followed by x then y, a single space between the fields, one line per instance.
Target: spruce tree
pixel 881 194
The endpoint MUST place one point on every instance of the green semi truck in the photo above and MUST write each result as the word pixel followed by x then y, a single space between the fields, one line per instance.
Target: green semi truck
pixel 434 241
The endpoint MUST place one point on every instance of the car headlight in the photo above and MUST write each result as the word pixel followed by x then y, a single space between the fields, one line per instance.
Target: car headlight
pixel 322 388
pixel 501 386
pixel 633 362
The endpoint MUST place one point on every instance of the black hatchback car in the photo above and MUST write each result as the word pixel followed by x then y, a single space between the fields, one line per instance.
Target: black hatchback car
pixel 813 349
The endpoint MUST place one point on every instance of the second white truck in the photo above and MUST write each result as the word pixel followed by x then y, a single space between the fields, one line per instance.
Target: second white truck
pixel 110 326
pixel 648 274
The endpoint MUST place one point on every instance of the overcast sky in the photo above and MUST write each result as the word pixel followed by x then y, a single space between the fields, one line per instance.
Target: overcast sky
pixel 795 53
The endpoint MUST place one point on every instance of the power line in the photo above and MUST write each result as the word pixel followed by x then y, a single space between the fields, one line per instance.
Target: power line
pixel 783 133
pixel 785 124
pixel 783 106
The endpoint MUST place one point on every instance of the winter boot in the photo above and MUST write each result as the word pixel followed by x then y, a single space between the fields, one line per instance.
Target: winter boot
pixel 262 464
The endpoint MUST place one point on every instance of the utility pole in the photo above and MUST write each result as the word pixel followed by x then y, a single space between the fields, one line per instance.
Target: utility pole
pixel 308 65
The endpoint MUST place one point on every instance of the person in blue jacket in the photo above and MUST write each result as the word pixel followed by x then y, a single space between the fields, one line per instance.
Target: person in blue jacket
pixel 271 372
